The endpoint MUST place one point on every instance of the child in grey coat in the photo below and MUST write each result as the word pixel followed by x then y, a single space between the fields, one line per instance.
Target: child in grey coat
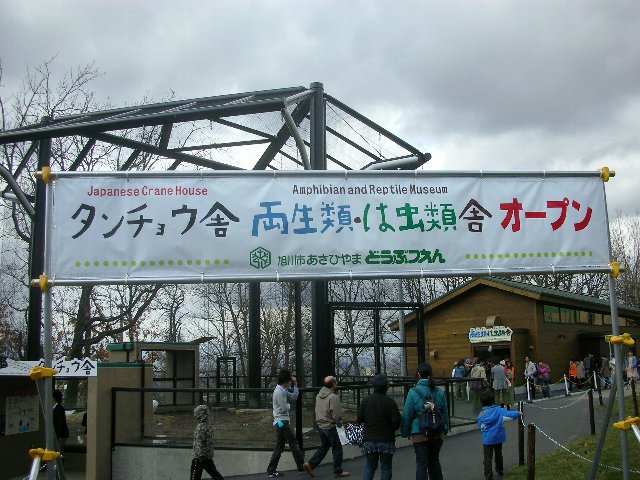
pixel 203 446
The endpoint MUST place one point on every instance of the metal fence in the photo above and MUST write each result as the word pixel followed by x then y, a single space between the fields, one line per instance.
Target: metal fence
pixel 241 417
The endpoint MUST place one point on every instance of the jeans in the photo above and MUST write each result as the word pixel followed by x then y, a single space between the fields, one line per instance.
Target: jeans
pixel 386 464
pixel 329 438
pixel 284 434
pixel 428 460
pixel 488 459
pixel 544 386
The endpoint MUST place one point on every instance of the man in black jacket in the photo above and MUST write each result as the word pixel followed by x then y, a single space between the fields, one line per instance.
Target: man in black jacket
pixel 60 421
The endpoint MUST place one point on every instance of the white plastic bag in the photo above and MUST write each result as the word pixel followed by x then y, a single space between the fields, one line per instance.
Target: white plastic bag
pixel 342 435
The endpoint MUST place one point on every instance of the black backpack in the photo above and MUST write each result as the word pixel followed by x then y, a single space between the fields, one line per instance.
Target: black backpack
pixel 430 417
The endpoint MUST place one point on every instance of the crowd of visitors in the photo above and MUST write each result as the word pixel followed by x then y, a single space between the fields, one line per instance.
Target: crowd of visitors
pixel 424 418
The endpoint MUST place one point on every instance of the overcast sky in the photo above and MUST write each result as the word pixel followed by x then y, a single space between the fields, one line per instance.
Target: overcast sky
pixel 490 85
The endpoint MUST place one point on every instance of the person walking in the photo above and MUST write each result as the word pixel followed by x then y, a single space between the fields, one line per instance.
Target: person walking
pixel 459 373
pixel 511 377
pixel 203 446
pixel 426 447
pixel 544 376
pixel 381 418
pixel 580 372
pixel 605 372
pixel 328 417
pixel 479 374
pixel 573 374
pixel 281 420
pixel 631 367
pixel 530 374
pixel 491 423
pixel 499 383
pixel 60 421
pixel 586 361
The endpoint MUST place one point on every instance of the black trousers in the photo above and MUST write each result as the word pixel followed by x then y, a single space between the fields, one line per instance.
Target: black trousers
pixel 488 459
pixel 198 465
pixel 285 435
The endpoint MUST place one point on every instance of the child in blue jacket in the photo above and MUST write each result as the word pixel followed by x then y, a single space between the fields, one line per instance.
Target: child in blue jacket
pixel 490 421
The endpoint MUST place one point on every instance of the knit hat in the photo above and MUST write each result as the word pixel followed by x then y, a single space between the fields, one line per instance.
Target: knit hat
pixel 379 381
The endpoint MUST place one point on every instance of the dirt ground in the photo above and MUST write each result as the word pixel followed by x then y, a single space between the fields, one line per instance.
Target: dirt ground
pixel 232 427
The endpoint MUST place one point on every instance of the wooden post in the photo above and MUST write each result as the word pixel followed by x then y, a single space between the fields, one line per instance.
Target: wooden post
pixel 531 452
pixel 520 437
pixel 592 419
pixel 634 398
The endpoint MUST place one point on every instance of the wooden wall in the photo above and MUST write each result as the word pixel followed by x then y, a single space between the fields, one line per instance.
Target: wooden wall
pixel 447 327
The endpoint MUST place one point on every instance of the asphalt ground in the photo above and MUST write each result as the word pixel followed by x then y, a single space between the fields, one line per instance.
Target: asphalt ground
pixel 564 419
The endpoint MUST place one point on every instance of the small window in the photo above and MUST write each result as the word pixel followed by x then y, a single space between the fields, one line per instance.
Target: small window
pixel 585 317
pixel 597 319
pixel 551 314
pixel 567 315
pixel 607 319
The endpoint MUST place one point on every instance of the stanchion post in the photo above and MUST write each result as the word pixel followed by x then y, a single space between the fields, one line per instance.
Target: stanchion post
pixel 520 437
pixel 598 384
pixel 528 391
pixel 592 419
pixel 566 386
pixel 634 398
pixel 531 452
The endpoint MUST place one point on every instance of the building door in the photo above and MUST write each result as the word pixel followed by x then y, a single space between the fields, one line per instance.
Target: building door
pixel 500 351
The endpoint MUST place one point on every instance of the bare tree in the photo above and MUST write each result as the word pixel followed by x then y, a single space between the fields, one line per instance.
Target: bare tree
pixel 170 303
pixel 625 244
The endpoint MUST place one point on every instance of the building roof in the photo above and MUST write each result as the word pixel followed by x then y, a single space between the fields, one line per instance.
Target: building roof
pixel 549 295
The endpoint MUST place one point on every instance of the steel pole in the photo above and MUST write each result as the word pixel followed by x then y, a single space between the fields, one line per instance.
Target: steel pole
pixel 50 437
pixel 36 253
pixel 617 352
pixel 254 364
pixel 321 341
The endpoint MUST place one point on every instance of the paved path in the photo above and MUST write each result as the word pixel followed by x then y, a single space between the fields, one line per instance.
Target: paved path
pixel 562 418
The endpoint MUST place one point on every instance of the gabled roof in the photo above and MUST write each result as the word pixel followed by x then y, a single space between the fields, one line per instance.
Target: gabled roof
pixel 544 294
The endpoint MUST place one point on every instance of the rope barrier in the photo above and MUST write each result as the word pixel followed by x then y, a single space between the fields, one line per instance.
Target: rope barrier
pixel 559 408
pixel 550 383
pixel 577 454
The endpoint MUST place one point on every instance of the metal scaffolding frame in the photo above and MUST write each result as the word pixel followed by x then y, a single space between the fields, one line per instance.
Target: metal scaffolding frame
pixel 281 123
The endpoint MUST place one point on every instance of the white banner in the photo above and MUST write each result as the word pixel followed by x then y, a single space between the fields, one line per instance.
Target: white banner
pixel 75 367
pixel 231 226
pixel 497 333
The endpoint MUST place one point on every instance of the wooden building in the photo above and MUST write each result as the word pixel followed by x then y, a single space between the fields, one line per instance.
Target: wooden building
pixel 496 317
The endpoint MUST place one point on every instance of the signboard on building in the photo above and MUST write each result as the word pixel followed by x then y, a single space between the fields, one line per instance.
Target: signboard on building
pixel 22 414
pixel 75 367
pixel 271 226
pixel 497 333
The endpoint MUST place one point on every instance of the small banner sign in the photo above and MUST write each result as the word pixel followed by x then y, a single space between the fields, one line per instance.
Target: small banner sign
pixel 75 367
pixel 235 226
pixel 497 333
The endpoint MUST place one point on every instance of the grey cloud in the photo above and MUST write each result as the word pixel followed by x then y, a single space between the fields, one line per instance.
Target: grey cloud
pixel 519 84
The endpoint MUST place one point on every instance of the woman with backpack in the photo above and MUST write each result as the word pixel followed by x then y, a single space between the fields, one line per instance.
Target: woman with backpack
pixel 425 418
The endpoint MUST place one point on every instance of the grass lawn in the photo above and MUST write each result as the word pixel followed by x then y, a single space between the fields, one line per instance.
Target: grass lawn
pixel 561 465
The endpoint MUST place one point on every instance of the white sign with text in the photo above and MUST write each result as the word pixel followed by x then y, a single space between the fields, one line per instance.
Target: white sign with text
pixel 296 225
